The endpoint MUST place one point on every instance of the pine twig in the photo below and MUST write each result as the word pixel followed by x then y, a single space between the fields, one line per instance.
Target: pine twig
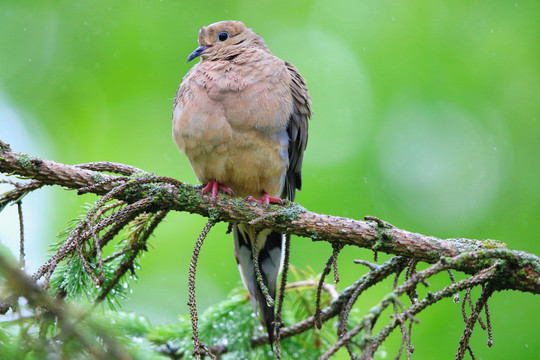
pixel 336 248
pixel 21 234
pixel 337 305
pixel 469 326
pixel 326 271
pixel 475 280
pixel 136 248
pixel 279 307
pixel 199 349
pixel 258 274
pixel 371 317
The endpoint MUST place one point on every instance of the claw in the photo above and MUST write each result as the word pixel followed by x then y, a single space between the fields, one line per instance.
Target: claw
pixel 214 186
pixel 266 199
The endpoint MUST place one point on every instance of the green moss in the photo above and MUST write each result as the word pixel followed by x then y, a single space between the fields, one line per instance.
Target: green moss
pixel 274 207
pixel 188 196
pixel 242 207
pixel 97 177
pixel 526 259
pixel 239 204
pixel 141 174
pixel 26 161
pixel 493 244
pixel 157 192
pixel 289 213
pixel 214 214
pixel 379 245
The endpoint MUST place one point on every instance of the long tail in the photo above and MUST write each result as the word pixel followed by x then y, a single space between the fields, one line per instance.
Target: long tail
pixel 269 249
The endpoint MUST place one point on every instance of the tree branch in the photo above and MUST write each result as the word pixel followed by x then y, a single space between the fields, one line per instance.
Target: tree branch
pixel 521 271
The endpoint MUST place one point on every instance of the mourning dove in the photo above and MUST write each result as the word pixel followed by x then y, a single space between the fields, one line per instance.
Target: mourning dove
pixel 241 117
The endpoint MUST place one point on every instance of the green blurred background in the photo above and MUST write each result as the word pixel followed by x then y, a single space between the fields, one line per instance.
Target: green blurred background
pixel 426 114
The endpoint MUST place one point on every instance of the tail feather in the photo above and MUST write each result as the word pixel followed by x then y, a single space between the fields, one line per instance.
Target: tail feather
pixel 270 248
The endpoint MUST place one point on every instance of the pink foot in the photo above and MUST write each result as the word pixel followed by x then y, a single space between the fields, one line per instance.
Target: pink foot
pixel 266 199
pixel 215 186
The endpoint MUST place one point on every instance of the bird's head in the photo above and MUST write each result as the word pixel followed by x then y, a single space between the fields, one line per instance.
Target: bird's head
pixel 225 39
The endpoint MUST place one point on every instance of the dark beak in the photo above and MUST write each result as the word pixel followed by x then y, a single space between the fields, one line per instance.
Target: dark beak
pixel 198 52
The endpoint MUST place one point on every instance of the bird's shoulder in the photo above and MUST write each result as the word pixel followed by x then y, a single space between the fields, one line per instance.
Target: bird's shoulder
pixel 299 91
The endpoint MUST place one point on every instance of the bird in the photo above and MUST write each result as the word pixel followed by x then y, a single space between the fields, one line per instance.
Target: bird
pixel 240 115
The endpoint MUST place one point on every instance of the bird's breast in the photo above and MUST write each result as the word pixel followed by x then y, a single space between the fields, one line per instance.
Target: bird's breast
pixel 231 122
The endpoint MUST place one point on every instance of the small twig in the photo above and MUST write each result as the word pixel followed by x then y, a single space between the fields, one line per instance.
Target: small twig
pixel 199 349
pixel 380 223
pixel 102 210
pixel 169 180
pixel 488 325
pixel 370 265
pixel 77 236
pixel 11 182
pixel 21 234
pixel 410 348
pixel 411 272
pixel 464 341
pixel 119 253
pixel 396 278
pixel 404 335
pixel 479 317
pixel 336 306
pixel 278 322
pixel 405 339
pixel 453 279
pixel 137 247
pixel 119 219
pixel 466 300
pixel 480 278
pixel 336 248
pixel 97 245
pixel 384 271
pixel 329 288
pixel 258 274
pixel 332 261
pixel 113 167
pixel 326 271
pixel 20 191
pixel 471 352
pixel 87 266
pixel 92 187
pixel 374 313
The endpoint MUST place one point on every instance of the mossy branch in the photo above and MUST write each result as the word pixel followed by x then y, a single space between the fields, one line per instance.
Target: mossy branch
pixel 521 270
pixel 135 202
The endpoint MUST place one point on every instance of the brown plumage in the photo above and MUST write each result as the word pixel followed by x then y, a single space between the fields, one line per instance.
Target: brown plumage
pixel 241 117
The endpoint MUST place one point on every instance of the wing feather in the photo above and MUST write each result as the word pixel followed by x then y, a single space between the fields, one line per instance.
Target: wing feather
pixel 297 130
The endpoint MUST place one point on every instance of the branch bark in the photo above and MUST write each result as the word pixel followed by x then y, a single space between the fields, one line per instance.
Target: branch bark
pixel 521 270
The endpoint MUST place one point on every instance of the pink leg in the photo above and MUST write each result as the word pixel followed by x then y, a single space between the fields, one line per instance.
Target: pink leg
pixel 215 186
pixel 266 199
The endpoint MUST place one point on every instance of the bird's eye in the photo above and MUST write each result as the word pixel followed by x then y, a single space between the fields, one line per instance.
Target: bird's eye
pixel 223 35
